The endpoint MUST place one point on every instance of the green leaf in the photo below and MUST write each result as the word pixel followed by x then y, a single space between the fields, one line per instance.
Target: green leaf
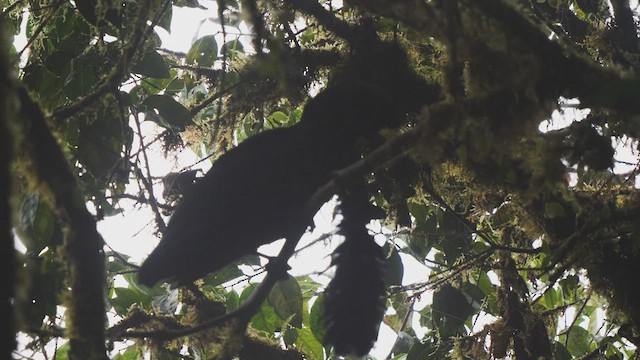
pixel 450 310
pixel 395 267
pixel 560 352
pixel 426 317
pixel 266 319
pixel 62 353
pixel 577 341
pixel 484 283
pixel 203 52
pixel 101 141
pixel 188 3
pixel 165 20
pixel 403 343
pixel 153 65
pixel 308 344
pixel 45 84
pixel 171 114
pixel 233 48
pixel 551 299
pixel 59 62
pixel 125 297
pixel 451 236
pixel 176 86
pixel 290 336
pixel 308 36
pixel 131 353
pixel 155 86
pixel 232 300
pixel 419 211
pixel 422 351
pixel 223 275
pixel 286 299
pixel 36 224
pixel 308 286
pixel 474 295
pixel 569 286
pixel 44 288
pixel 316 318
pixel 276 120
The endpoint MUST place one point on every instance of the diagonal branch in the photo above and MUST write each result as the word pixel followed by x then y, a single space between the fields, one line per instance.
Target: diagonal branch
pixel 277 270
pixel 625 21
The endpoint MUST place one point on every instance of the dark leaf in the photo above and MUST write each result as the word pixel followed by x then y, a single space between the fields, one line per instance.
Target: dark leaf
pixel 232 300
pixel 36 224
pixel 203 52
pixel 101 141
pixel 290 336
pixel 474 295
pixel 560 352
pixel 423 351
pixel 265 320
pixel 577 340
pixel 188 3
pixel 126 297
pixel 394 267
pixel 450 310
pixel 223 275
pixel 171 114
pixel 153 65
pixel 45 284
pixel 316 318
pixel 403 343
pixel 165 20
pixel 286 299
pixel 309 344
pixel 232 48
pixel 88 10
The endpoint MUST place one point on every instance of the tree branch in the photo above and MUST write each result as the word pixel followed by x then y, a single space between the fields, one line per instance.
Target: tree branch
pixel 277 270
pixel 624 20
pixel 83 243
pixel 147 181
pixel 7 252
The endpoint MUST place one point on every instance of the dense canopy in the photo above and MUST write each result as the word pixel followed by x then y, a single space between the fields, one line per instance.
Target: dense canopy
pixel 496 148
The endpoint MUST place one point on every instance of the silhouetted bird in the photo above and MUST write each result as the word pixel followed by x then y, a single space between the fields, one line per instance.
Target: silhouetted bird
pixel 254 193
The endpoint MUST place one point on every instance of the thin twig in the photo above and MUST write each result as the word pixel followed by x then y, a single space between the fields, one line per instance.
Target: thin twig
pixel 147 181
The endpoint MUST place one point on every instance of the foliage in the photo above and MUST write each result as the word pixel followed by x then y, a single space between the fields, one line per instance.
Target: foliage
pixel 512 180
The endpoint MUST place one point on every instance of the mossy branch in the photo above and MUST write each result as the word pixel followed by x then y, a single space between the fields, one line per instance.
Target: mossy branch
pixel 83 244
pixel 7 252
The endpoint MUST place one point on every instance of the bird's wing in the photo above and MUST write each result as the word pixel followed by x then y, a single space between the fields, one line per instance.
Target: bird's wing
pixel 246 200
